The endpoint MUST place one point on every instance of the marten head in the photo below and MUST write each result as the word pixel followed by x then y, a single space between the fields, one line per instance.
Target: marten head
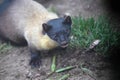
pixel 59 30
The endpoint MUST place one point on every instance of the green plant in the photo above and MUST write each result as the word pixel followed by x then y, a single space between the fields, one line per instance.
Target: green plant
pixel 85 31
pixel 4 47
pixel 52 9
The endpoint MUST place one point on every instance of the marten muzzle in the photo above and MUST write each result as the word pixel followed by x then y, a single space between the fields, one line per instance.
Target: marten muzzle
pixel 64 44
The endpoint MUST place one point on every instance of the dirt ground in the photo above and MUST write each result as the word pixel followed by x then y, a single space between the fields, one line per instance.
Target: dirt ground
pixel 14 62
pixel 84 8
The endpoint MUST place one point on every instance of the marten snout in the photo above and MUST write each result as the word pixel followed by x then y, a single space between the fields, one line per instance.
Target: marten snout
pixel 64 44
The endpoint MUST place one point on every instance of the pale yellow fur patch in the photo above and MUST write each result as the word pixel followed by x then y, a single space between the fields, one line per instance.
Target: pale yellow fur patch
pixel 39 41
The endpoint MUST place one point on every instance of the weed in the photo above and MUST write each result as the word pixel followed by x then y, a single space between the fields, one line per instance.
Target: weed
pixel 85 31
pixel 4 47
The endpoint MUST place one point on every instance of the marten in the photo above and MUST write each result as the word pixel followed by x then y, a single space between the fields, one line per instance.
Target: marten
pixel 27 21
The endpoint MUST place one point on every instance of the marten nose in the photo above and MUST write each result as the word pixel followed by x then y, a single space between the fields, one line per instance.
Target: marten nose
pixel 64 44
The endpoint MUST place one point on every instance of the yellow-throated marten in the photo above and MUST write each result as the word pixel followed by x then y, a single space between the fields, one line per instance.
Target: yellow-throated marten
pixel 28 21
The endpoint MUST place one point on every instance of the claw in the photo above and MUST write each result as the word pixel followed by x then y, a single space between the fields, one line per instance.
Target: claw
pixel 36 62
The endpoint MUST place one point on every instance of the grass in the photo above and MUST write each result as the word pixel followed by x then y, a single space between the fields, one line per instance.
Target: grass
pixel 4 47
pixel 85 31
pixel 52 9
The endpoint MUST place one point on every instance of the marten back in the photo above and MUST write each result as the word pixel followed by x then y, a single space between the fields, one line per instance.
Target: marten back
pixel 15 16
pixel 11 19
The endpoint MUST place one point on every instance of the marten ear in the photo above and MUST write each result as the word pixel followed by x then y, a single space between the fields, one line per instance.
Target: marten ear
pixel 46 27
pixel 67 20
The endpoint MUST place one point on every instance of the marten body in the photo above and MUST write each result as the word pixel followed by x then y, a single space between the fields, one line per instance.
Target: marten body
pixel 24 21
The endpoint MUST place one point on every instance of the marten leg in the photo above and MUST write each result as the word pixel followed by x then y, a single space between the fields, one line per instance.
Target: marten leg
pixel 35 58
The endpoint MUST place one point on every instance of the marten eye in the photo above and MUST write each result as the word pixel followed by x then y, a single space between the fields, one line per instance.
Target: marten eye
pixel 54 36
pixel 67 30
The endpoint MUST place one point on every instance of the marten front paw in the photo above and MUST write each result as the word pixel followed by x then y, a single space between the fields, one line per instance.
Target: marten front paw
pixel 35 59
pixel 35 62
